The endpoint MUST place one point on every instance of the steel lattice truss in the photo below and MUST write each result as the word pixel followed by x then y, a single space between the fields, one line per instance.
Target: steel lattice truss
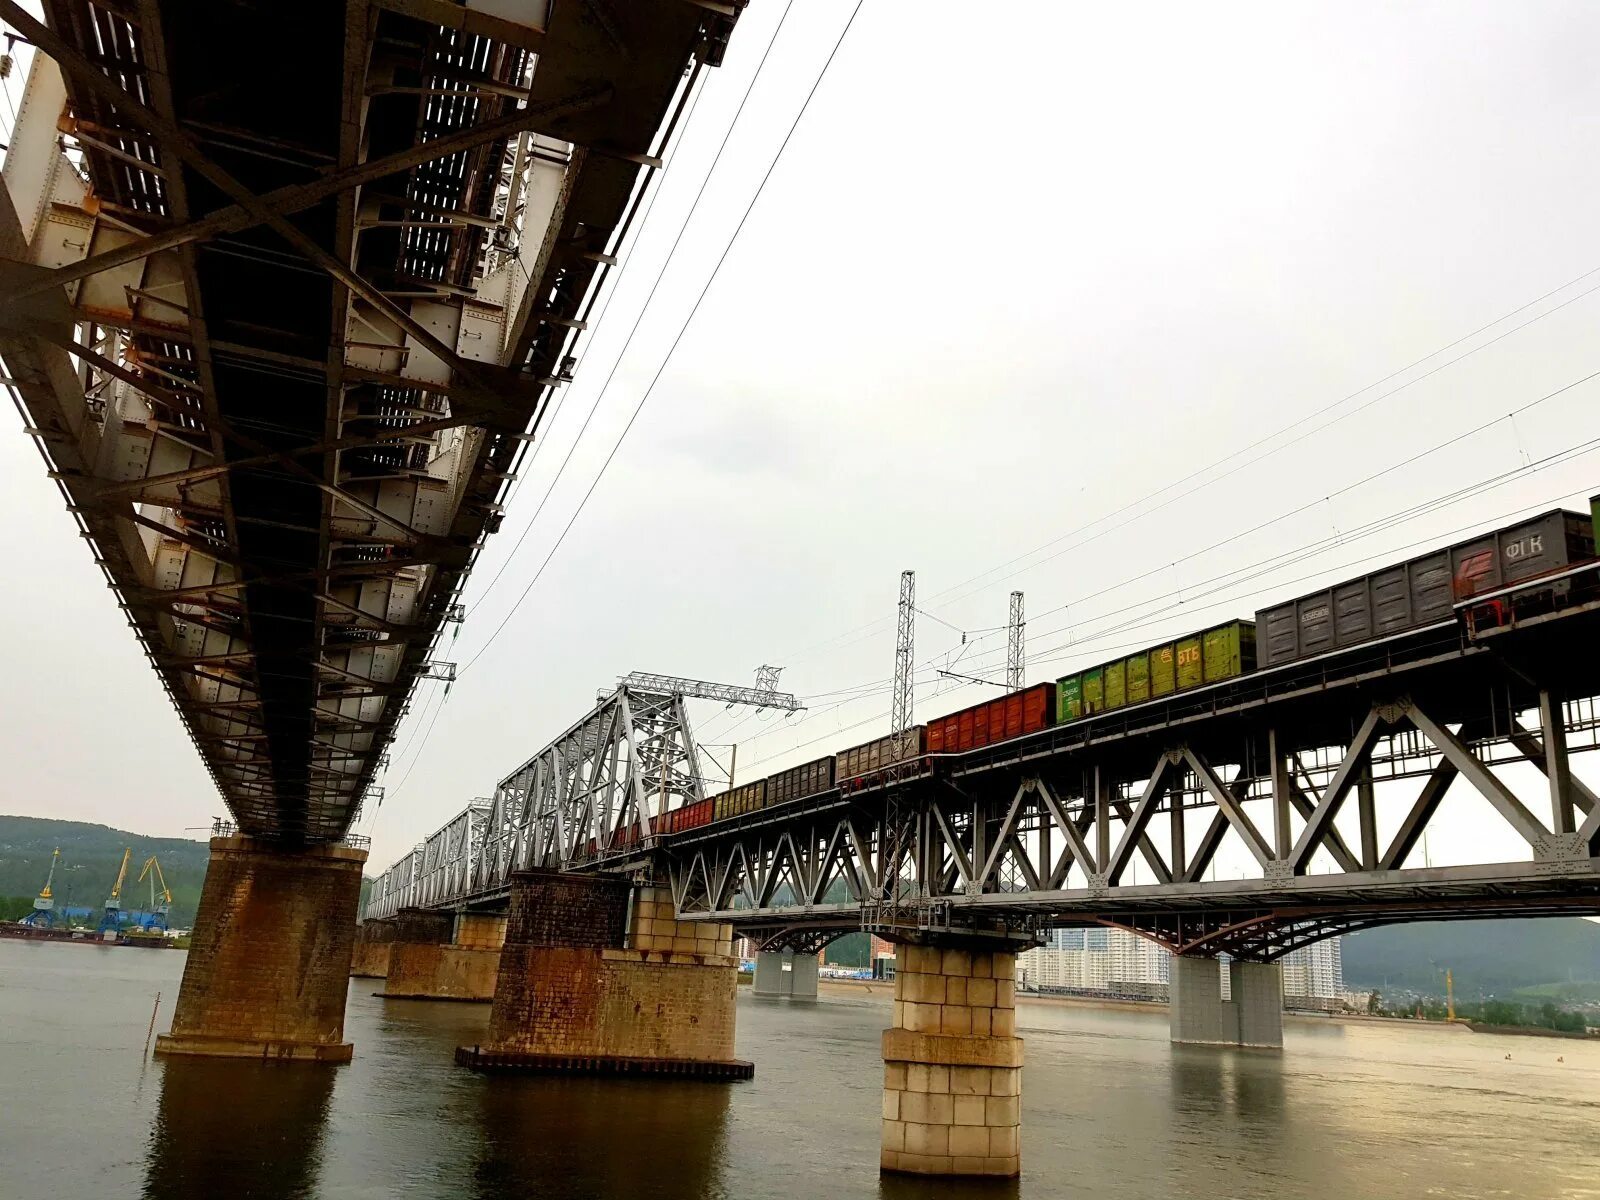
pixel 586 801
pixel 1329 787
pixel 284 290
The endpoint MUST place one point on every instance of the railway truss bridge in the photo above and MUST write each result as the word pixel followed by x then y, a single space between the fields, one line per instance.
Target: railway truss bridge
pixel 1316 783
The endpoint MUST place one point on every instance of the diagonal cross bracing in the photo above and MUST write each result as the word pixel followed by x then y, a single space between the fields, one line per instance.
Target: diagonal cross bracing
pixel 282 379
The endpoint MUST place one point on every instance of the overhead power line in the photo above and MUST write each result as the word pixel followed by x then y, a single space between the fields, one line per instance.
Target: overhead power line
pixel 677 340
pixel 644 308
pixel 1156 493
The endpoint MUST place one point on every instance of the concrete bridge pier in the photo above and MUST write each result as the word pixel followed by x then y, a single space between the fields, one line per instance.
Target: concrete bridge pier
pixel 444 956
pixel 598 976
pixel 269 959
pixel 1250 1015
pixel 783 974
pixel 952 1065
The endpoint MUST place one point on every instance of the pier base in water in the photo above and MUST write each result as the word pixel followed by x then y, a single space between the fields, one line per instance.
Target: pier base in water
pixel 598 977
pixel 269 960
pixel 952 1065
pixel 1251 1014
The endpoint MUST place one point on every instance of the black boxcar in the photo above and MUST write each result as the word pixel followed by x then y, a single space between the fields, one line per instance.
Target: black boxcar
pixel 805 780
pixel 1422 590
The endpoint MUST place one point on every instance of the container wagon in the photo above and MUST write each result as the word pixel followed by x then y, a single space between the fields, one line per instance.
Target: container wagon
pixel 1212 655
pixel 745 798
pixel 1423 590
pixel 993 721
pixel 880 753
pixel 805 780
pixel 690 816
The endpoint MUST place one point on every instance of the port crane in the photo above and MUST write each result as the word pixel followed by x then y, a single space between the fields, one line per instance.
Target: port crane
pixel 44 904
pixel 158 912
pixel 111 920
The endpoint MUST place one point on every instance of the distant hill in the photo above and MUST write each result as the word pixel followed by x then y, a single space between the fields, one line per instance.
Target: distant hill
pixel 90 855
pixel 1494 958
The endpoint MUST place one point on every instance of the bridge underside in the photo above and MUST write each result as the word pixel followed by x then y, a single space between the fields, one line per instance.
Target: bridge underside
pixel 286 289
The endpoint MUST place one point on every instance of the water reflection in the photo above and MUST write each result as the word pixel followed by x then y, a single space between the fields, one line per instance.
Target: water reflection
pixel 227 1128
pixel 550 1136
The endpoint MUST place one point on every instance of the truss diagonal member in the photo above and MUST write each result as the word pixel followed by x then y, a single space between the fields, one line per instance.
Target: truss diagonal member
pixel 1133 833
pixel 1007 828
pixel 963 863
pixel 176 141
pixel 1300 800
pixel 1422 810
pixel 296 197
pixel 1472 768
pixel 1019 855
pixel 1077 848
pixel 1229 806
pixel 1531 747
pixel 1320 820
pixel 1206 849
pixel 863 855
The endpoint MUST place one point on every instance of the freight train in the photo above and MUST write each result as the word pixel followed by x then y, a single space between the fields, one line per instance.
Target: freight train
pixel 1425 590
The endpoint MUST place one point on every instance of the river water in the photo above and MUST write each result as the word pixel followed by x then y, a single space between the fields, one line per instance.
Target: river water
pixel 1110 1109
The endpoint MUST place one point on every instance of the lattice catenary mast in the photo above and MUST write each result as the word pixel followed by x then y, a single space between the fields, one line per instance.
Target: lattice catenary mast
pixel 900 714
pixel 1014 654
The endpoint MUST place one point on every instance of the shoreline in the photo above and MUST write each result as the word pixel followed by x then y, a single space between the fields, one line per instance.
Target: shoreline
pixel 884 990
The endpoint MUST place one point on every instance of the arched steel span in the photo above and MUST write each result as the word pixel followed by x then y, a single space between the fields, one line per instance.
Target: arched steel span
pixel 1267 936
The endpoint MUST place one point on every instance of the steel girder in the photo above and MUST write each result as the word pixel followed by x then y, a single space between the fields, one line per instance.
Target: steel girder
pixel 1327 793
pixel 586 801
pixel 285 439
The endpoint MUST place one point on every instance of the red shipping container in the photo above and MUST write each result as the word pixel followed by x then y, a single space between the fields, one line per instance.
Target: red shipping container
pixel 993 721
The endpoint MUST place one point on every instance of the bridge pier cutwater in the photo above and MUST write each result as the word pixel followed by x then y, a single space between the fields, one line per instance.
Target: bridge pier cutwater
pixel 1252 1015
pixel 597 976
pixel 269 959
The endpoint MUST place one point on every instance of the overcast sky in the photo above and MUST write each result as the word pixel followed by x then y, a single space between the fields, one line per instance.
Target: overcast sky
pixel 1011 278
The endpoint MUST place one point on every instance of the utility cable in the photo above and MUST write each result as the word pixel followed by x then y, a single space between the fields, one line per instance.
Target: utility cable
pixel 1325 409
pixel 643 309
pixel 716 270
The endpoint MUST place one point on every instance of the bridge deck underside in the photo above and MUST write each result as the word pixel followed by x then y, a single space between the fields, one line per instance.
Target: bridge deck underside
pixel 337 387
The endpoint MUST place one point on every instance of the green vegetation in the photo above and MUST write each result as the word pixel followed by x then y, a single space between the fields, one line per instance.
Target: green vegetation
pixel 90 856
pixel 1491 1012
pixel 1490 959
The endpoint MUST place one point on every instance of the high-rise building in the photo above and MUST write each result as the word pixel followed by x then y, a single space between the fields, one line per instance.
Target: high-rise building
pixel 1314 970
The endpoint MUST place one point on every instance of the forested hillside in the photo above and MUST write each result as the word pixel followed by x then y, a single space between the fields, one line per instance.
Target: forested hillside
pixel 1486 957
pixel 90 855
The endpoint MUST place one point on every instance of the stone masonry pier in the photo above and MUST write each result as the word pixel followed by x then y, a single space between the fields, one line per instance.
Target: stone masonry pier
pixel 598 976
pixel 370 958
pixel 444 956
pixel 952 1065
pixel 269 960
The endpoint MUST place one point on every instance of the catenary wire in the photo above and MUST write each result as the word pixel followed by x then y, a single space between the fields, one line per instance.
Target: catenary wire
pixel 650 388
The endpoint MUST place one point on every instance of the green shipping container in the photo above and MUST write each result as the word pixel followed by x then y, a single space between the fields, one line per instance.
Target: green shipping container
pixel 1094 695
pixel 1138 678
pixel 1069 698
pixel 1116 677
pixel 1229 650
pixel 1163 670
